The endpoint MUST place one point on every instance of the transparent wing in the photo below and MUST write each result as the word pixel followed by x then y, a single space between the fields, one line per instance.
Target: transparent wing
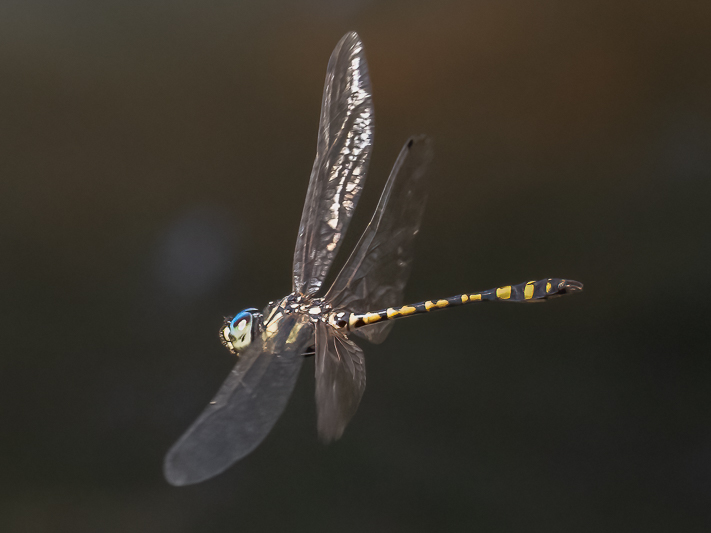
pixel 375 275
pixel 345 137
pixel 340 381
pixel 246 407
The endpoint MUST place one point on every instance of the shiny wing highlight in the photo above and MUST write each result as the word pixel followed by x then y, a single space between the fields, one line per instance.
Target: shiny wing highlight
pixel 375 275
pixel 245 408
pixel 345 138
pixel 340 381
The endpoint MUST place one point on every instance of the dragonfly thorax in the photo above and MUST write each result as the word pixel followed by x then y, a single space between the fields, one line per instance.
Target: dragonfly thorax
pixel 237 333
pixel 317 309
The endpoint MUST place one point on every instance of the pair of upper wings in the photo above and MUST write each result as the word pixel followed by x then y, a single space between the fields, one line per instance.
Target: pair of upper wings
pixel 255 394
pixel 375 274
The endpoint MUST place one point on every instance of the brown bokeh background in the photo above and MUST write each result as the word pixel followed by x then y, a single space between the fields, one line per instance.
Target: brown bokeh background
pixel 154 157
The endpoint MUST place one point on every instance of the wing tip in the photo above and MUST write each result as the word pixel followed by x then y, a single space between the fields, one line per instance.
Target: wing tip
pixel 179 473
pixel 176 469
pixel 174 476
pixel 422 144
pixel 352 36
pixel 330 432
pixel 348 46
pixel 419 139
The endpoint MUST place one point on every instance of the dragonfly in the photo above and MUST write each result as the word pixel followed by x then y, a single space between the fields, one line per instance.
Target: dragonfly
pixel 364 300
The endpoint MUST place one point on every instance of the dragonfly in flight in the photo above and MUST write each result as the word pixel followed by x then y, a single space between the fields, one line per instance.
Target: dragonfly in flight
pixel 364 300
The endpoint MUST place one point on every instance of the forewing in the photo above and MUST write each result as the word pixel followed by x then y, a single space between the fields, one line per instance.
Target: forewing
pixel 340 381
pixel 375 275
pixel 246 407
pixel 345 138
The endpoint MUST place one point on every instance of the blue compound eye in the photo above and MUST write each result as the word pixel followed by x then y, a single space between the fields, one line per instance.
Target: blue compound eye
pixel 236 334
pixel 241 322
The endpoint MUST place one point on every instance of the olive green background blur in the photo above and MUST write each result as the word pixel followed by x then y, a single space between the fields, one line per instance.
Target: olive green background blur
pixel 154 158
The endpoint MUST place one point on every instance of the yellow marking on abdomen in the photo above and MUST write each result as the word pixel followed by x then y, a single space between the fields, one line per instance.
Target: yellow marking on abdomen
pixel 392 313
pixel 504 293
pixel 548 287
pixel 441 304
pixel 528 291
pixel 407 310
pixel 429 305
pixel 370 318
pixel 465 298
pixel 352 320
pixel 475 297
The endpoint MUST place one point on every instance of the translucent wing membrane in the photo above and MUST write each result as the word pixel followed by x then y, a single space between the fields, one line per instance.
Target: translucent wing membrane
pixel 340 381
pixel 345 138
pixel 246 407
pixel 375 274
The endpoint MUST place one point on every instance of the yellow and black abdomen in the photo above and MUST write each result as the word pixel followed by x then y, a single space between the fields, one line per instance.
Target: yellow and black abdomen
pixel 530 291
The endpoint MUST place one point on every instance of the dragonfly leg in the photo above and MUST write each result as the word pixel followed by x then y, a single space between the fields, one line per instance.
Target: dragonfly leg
pixel 311 350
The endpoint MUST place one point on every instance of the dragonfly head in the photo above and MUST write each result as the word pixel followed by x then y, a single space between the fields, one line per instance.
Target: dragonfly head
pixel 237 333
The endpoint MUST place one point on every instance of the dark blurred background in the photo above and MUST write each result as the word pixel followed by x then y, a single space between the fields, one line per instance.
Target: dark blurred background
pixel 154 158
